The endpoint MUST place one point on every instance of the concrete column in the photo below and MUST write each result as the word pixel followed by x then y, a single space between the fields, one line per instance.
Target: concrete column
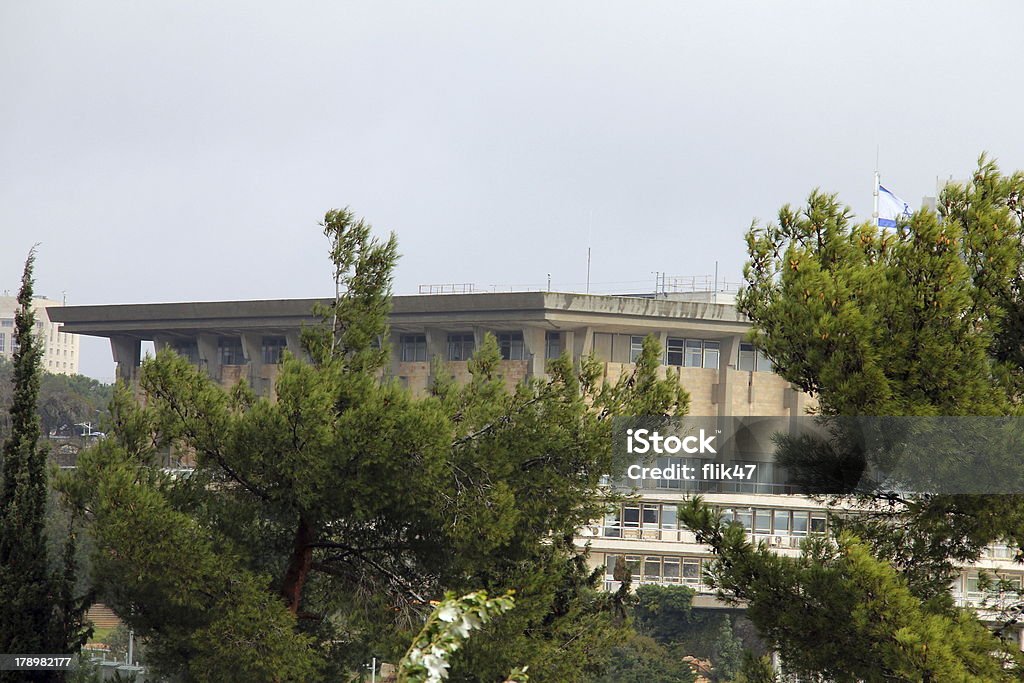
pixel 663 342
pixel 252 347
pixel 568 340
pixel 533 339
pixel 209 354
pixel 127 354
pixel 727 354
pixel 293 339
pixel 161 343
pixel 437 344
pixel 582 344
pixel 396 352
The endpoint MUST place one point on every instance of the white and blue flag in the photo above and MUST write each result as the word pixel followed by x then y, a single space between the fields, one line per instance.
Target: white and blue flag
pixel 890 207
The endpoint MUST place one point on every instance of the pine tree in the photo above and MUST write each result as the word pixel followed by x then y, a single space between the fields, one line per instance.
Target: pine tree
pixel 317 526
pixel 923 320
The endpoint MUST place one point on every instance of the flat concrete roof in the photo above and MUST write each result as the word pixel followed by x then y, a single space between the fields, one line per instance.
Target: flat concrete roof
pixel 552 310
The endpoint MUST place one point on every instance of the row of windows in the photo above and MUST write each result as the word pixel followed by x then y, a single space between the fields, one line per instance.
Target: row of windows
pixel 766 521
pixel 703 353
pixel 656 568
pixel 230 352
pixel 461 345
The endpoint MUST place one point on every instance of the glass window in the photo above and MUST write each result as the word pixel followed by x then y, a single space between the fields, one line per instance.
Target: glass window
pixel 187 349
pixel 747 357
pixel 612 525
pixel 413 348
pixel 799 523
pixel 763 521
pixel 609 564
pixel 668 517
pixel 650 516
pixel 711 349
pixel 631 517
pixel 763 364
pixel 636 347
pixel 271 348
pixel 972 583
pixel 552 345
pixel 652 568
pixel 670 569
pixel 8 322
pixel 461 346
pixel 674 351
pixel 782 521
pixel 694 353
pixel 746 519
pixel 817 523
pixel 230 349
pixel 691 571
pixel 2 337
pixel 633 564
pixel 511 346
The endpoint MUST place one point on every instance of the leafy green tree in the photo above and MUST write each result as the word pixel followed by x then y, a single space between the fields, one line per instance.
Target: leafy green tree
pixel 922 320
pixel 317 525
pixel 39 611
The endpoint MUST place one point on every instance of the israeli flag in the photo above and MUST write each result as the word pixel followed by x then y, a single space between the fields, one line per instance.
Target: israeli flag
pixel 890 207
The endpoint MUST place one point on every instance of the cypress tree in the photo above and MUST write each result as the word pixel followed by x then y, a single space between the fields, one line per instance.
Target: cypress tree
pixel 37 614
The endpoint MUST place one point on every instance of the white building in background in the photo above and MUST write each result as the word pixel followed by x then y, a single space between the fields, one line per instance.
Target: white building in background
pixel 60 349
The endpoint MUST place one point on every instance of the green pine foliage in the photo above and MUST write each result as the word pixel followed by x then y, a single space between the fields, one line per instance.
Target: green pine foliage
pixel 318 525
pixel 40 612
pixel 923 320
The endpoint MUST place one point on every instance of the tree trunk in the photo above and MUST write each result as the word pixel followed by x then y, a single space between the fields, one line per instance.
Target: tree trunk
pixel 298 566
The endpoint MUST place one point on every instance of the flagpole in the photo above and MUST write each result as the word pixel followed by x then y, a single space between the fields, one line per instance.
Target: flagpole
pixel 878 181
pixel 874 215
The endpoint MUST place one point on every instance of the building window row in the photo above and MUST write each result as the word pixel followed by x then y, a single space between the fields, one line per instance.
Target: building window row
pixel 659 521
pixel 752 359
pixel 659 569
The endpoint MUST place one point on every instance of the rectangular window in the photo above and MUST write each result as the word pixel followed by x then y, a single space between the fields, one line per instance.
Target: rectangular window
pixel 612 525
pixel 691 571
pixel 271 348
pixel 674 351
pixel 552 345
pixel 818 523
pixel 2 337
pixel 782 522
pixel 631 517
pixel 668 516
pixel 799 523
pixel 694 353
pixel 511 346
pixel 636 347
pixel 633 564
pixel 650 516
pixel 187 349
pixel 670 569
pixel 609 564
pixel 747 357
pixel 7 322
pixel 461 346
pixel 652 568
pixel 763 364
pixel 230 350
pixel 746 519
pixel 763 521
pixel 711 349
pixel 413 348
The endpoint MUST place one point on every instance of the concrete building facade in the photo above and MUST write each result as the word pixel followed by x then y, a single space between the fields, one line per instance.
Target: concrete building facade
pixel 704 338
pixel 60 348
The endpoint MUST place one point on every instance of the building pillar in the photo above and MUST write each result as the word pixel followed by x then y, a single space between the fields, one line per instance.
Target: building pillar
pixel 533 339
pixel 728 353
pixel 252 347
pixel 127 354
pixel 582 344
pixel 293 339
pixel 209 355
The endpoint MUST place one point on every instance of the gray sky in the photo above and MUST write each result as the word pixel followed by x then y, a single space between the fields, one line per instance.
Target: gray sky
pixel 170 151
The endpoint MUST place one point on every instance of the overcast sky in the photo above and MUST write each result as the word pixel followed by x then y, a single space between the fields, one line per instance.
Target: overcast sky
pixel 169 151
